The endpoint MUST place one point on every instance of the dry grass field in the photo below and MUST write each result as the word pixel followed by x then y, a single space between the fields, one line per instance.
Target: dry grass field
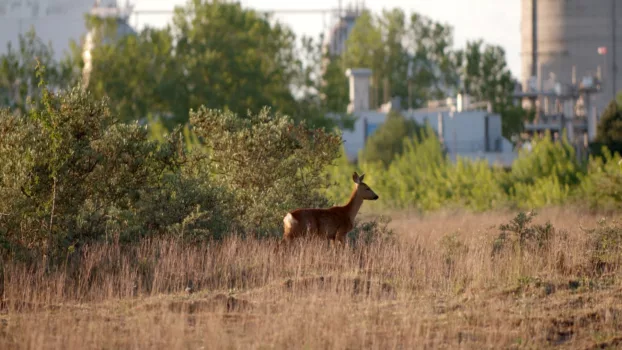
pixel 434 283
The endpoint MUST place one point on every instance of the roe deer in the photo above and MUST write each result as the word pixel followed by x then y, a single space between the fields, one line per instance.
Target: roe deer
pixel 332 223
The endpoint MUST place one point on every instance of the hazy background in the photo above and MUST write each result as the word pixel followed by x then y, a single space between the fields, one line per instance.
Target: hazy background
pixel 495 21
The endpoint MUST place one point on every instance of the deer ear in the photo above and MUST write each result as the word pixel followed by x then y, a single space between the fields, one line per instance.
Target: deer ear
pixel 355 177
pixel 361 177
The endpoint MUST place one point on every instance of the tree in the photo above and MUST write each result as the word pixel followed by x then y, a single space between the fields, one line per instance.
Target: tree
pixel 18 81
pixel 387 142
pixel 322 87
pixel 609 130
pixel 270 163
pixel 432 75
pixel 334 89
pixel 214 54
pixel 364 49
pixel 484 75
pixel 233 58
pixel 138 73
pixel 410 59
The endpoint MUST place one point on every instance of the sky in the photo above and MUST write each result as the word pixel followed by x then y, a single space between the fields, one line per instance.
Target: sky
pixel 495 21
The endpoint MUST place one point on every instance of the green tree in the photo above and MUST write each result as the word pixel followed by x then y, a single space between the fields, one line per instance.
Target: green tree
pixel 271 164
pixel 387 142
pixel 71 173
pixel 138 73
pixel 432 75
pixel 215 54
pixel 364 49
pixel 410 59
pixel 485 76
pixel 18 81
pixel 233 58
pixel 322 87
pixel 334 89
pixel 609 130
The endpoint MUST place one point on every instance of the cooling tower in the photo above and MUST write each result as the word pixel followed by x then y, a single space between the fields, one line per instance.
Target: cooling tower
pixel 569 33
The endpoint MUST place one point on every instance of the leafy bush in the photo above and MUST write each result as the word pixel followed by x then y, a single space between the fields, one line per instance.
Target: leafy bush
pixel 602 185
pixel 386 143
pixel 413 177
pixel 366 232
pixel 423 177
pixel 519 235
pixel 71 173
pixel 609 130
pixel 547 158
pixel 339 178
pixel 269 163
pixel 605 246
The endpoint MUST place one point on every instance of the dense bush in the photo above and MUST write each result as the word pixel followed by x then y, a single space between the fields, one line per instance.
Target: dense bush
pixel 545 175
pixel 269 163
pixel 422 177
pixel 605 247
pixel 71 173
pixel 609 131
pixel 386 142
pixel 601 187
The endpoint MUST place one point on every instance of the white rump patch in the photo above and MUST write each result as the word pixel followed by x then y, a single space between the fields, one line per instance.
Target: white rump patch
pixel 289 220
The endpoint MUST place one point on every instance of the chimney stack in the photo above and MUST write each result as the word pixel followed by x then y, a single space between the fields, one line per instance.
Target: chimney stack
pixel 359 89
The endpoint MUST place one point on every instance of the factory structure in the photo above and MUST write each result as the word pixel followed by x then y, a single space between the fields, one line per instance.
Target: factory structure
pixel 56 21
pixel 569 74
pixel 570 50
pixel 467 129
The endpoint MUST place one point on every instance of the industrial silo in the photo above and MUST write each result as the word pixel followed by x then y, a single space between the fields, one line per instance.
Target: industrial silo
pixel 583 34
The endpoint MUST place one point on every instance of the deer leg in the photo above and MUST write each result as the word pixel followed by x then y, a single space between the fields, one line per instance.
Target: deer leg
pixel 341 238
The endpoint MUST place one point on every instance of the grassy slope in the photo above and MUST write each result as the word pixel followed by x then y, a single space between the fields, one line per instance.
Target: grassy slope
pixel 415 292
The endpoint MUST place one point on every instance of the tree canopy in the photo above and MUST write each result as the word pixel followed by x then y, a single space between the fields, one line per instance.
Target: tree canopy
pixel 222 55
pixel 387 142
pixel 609 130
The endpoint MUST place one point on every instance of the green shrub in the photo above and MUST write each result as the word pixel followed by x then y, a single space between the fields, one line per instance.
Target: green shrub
pixel 366 232
pixel 339 178
pixel 269 163
pixel 545 176
pixel 544 192
pixel 71 173
pixel 601 188
pixel 416 178
pixel 475 185
pixel 519 235
pixel 605 247
pixel 609 130
pixel 547 159
pixel 423 177
pixel 386 143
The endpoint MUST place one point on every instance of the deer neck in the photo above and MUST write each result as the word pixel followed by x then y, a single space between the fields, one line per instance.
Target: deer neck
pixel 354 205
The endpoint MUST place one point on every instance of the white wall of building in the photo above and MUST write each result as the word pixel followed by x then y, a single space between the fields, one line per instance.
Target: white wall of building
pixel 464 134
pixel 55 21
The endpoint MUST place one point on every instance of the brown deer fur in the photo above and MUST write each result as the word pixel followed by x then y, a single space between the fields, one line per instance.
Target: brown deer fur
pixel 332 223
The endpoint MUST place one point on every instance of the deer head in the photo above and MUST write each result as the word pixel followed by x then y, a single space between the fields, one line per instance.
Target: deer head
pixel 362 189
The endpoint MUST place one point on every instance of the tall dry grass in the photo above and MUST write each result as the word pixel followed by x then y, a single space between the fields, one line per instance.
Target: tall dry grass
pixel 434 284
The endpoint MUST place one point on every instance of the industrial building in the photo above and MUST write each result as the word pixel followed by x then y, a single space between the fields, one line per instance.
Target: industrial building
pixel 56 21
pixel 335 42
pixel 467 130
pixel 570 50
